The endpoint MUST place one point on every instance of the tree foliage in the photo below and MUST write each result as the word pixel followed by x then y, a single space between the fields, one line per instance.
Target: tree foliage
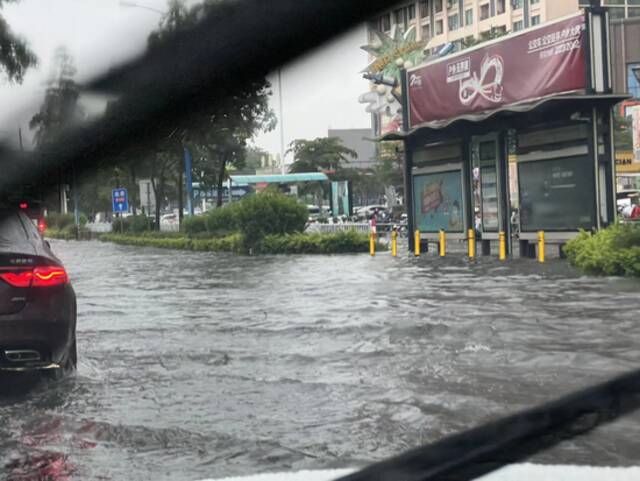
pixel 60 108
pixel 217 135
pixel 15 55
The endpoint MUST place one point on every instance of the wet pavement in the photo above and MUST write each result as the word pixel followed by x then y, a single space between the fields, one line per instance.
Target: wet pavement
pixel 198 365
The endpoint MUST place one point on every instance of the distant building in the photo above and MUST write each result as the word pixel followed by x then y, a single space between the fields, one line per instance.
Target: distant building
pixel 439 22
pixel 359 140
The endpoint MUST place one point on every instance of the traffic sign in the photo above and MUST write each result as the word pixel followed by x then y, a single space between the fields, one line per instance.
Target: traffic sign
pixel 120 200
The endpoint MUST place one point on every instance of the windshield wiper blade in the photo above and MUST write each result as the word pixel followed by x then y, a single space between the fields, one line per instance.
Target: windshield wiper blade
pixel 473 453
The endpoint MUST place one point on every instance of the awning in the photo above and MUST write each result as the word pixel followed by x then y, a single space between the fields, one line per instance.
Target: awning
pixel 523 107
pixel 278 179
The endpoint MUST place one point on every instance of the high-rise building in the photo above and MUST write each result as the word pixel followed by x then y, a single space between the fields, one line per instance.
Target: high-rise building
pixel 439 22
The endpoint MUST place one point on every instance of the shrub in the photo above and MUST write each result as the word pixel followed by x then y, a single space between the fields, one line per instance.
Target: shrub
pixel 59 221
pixel 269 213
pixel 223 220
pixel 140 223
pixel 611 251
pixel 330 243
pixel 136 224
pixel 194 225
pixel 83 220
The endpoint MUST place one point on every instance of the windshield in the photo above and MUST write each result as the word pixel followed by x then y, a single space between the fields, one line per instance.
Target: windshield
pixel 296 238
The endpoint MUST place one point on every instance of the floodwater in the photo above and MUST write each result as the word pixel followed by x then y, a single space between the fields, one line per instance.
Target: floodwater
pixel 198 365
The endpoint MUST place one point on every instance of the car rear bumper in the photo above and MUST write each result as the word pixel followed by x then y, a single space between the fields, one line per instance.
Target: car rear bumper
pixel 51 340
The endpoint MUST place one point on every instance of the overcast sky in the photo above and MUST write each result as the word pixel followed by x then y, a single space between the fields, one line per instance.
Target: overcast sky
pixel 319 90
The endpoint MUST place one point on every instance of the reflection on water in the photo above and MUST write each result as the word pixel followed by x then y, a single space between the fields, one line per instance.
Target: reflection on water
pixel 199 365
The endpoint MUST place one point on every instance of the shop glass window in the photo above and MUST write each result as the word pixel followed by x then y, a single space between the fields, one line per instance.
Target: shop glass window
pixel 535 20
pixel 386 22
pixel 616 13
pixel 398 18
pixel 453 22
pixel 484 11
pixel 426 32
pixel 411 12
pixel 424 9
pixel 468 17
pixel 633 79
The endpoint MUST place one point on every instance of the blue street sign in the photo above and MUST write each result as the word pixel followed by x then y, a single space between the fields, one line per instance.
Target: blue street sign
pixel 120 200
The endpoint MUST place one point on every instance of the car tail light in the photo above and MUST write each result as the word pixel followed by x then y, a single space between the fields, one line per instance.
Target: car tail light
pixel 17 278
pixel 44 276
pixel 42 225
pixel 47 276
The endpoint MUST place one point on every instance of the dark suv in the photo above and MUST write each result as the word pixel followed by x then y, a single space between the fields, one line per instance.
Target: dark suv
pixel 37 302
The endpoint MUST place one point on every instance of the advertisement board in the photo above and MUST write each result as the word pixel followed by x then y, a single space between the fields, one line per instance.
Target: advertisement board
pixel 526 66
pixel 437 201
pixel 557 194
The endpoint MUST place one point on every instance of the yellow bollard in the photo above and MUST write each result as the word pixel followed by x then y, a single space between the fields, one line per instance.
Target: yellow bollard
pixel 394 243
pixel 472 243
pixel 372 244
pixel 502 246
pixel 541 246
pixel 416 243
pixel 443 244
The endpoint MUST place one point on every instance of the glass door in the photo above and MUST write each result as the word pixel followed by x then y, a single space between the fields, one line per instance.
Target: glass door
pixel 485 184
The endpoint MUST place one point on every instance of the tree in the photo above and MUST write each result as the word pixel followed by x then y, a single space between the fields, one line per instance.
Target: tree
pixel 60 107
pixel 323 154
pixel 218 134
pixel 15 55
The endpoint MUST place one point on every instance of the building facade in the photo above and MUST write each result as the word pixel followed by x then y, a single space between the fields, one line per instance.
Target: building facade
pixel 359 140
pixel 439 22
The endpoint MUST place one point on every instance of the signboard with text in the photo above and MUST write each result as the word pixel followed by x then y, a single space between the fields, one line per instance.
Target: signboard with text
pixel 526 66
pixel 120 200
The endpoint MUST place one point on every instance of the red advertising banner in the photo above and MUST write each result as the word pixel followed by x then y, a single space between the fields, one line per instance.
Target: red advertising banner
pixel 535 63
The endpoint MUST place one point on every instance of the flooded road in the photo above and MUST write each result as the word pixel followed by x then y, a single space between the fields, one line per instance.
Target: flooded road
pixel 198 365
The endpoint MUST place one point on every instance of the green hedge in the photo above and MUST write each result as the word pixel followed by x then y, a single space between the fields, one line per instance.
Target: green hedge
pixel 230 243
pixel 68 233
pixel 136 224
pixel 338 243
pixel 58 221
pixel 255 217
pixel 611 251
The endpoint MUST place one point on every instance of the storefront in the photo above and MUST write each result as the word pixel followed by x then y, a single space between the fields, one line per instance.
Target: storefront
pixel 513 136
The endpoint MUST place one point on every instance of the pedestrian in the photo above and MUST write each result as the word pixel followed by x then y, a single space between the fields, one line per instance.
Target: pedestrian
pixel 635 210
pixel 373 223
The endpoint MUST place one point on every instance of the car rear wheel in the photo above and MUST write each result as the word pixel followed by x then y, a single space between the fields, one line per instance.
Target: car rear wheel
pixel 69 365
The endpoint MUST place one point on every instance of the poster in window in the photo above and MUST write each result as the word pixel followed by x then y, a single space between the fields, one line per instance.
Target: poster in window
pixel 438 201
pixel 557 194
